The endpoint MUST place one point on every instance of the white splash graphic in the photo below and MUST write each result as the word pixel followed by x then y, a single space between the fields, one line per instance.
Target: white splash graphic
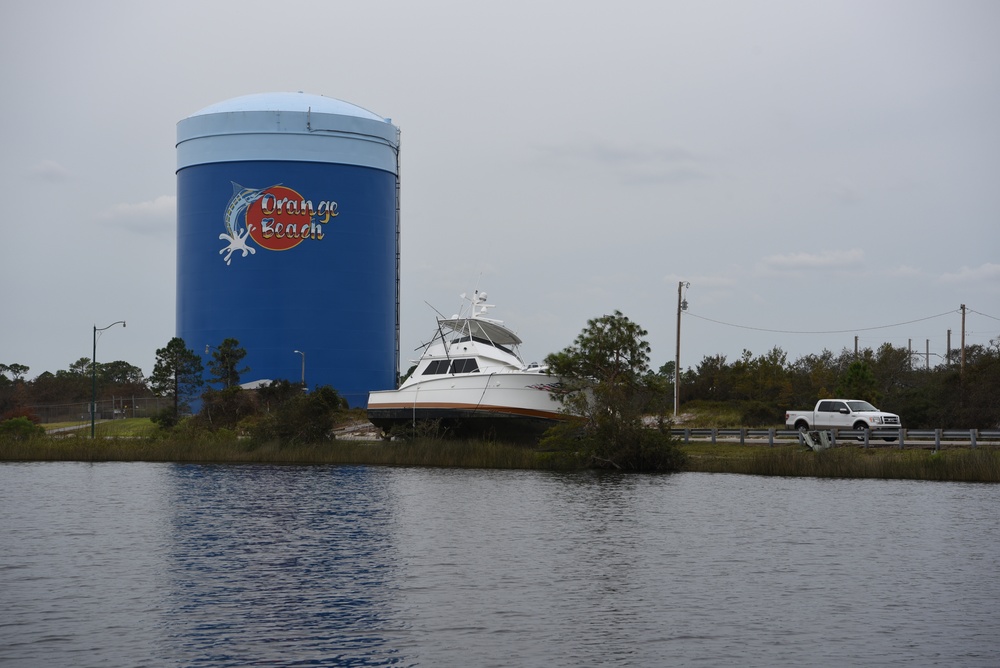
pixel 235 212
pixel 237 243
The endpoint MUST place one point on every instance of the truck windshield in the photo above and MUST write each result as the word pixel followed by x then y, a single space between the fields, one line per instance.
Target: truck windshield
pixel 859 406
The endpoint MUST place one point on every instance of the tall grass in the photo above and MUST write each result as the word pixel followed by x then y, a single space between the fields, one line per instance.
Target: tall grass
pixel 965 465
pixel 418 452
pixel 958 465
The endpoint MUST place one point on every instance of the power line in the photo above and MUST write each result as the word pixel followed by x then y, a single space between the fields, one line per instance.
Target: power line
pixel 983 314
pixel 831 331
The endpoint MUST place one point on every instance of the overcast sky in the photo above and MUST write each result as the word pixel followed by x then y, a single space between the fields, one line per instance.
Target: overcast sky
pixel 807 166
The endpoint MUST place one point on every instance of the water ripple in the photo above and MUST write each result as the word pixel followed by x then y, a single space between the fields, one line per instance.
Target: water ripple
pixel 184 565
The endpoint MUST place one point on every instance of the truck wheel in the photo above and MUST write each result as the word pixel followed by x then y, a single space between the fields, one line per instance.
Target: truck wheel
pixel 863 427
pixel 803 427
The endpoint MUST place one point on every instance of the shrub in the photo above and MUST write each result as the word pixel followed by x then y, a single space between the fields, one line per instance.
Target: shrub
pixel 167 418
pixel 296 418
pixel 21 412
pixel 20 429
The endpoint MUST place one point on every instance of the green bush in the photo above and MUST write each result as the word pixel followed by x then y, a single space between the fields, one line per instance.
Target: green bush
pixel 166 419
pixel 20 429
pixel 616 446
pixel 295 418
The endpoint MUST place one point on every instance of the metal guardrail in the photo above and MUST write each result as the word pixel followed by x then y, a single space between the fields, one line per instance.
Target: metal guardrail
pixel 901 438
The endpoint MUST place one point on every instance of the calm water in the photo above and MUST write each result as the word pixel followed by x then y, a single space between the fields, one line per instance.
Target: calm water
pixel 178 565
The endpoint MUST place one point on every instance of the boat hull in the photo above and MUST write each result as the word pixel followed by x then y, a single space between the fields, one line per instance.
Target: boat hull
pixel 509 405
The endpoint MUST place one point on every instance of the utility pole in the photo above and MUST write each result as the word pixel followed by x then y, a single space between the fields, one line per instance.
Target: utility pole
pixel 681 306
pixel 947 357
pixel 961 371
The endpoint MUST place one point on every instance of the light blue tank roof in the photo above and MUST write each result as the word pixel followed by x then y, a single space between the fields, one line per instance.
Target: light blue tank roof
pixel 300 101
pixel 287 126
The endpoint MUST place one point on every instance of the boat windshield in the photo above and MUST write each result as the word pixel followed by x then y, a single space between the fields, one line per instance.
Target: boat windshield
pixel 482 340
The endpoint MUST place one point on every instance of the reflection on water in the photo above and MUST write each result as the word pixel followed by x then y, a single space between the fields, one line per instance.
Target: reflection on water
pixel 161 564
pixel 280 563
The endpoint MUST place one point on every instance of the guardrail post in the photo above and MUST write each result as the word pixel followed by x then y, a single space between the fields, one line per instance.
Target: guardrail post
pixel 714 432
pixel 687 435
pixel 867 435
pixel 902 437
pixel 937 440
pixel 743 435
pixel 770 437
pixel 972 437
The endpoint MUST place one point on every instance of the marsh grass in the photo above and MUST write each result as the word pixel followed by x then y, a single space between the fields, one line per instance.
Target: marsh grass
pixel 957 465
pixel 960 465
pixel 228 449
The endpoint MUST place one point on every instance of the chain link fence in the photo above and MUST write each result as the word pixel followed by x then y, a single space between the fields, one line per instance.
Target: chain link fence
pixel 115 408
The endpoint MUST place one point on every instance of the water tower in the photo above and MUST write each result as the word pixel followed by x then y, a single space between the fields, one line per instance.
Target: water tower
pixel 288 239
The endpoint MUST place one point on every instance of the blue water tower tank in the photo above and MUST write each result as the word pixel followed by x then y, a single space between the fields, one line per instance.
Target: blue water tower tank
pixel 288 239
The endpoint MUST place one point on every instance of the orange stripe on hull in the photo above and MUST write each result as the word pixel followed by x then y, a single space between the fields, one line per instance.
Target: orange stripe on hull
pixel 478 408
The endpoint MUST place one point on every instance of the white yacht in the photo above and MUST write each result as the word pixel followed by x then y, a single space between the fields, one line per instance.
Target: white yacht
pixel 472 380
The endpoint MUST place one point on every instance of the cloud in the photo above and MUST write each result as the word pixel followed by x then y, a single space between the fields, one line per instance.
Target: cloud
pixel 903 271
pixel 822 260
pixel 154 217
pixel 986 272
pixel 634 165
pixel 49 170
pixel 846 193
pixel 162 206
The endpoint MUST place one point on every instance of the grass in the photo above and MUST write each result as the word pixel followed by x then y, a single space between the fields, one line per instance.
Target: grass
pixel 127 428
pixel 139 440
pixel 956 465
pixel 713 415
pixel 421 452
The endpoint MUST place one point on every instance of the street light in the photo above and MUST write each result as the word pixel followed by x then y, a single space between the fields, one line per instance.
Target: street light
pixel 93 375
pixel 681 306
pixel 299 352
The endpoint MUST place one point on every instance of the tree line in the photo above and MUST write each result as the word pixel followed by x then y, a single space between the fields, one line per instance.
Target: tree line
pixel 282 410
pixel 949 395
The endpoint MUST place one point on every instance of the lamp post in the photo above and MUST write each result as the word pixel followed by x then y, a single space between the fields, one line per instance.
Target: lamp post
pixel 681 306
pixel 93 375
pixel 299 352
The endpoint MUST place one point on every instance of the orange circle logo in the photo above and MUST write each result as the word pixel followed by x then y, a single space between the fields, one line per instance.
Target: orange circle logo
pixel 280 218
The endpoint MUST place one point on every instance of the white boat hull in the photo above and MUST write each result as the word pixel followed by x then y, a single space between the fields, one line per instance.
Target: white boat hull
pixel 504 404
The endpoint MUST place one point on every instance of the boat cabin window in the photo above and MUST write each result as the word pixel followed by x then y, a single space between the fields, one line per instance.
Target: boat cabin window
pixel 464 366
pixel 468 365
pixel 437 366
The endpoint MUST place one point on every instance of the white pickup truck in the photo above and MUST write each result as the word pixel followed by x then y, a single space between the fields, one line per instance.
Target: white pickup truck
pixel 841 414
